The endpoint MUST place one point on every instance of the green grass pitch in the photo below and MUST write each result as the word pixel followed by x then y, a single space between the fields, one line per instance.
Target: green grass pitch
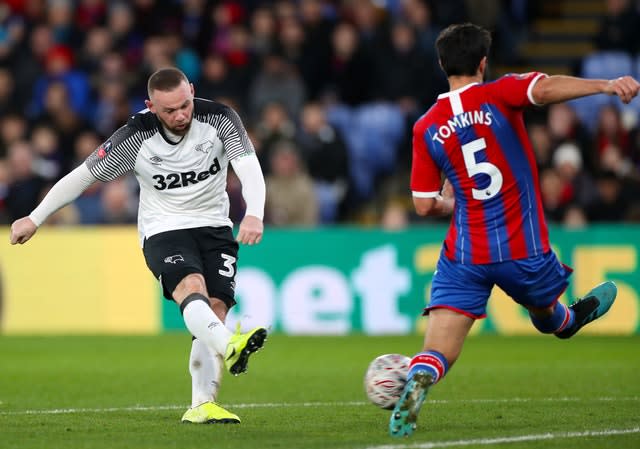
pixel 306 392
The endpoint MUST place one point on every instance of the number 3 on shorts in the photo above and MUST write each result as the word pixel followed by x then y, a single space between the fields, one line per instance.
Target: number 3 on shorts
pixel 474 168
pixel 228 264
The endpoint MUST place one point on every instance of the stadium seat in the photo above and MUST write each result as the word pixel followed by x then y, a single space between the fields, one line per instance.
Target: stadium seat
pixel 372 133
pixel 604 65
pixel 588 108
pixel 607 64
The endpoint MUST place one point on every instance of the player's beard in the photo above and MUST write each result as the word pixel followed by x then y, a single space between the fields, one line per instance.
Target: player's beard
pixel 174 130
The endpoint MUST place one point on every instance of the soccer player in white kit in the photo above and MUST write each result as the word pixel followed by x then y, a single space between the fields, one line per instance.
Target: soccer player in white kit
pixel 179 149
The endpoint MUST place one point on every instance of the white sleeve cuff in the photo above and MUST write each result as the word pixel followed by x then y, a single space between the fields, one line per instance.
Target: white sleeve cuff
pixel 249 173
pixel 62 193
pixel 530 88
pixel 425 194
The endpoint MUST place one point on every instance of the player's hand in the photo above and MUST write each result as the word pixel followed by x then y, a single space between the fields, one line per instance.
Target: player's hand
pixel 447 190
pixel 251 230
pixel 22 230
pixel 625 87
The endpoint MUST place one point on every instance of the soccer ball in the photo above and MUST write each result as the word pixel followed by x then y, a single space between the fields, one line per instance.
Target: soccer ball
pixel 385 379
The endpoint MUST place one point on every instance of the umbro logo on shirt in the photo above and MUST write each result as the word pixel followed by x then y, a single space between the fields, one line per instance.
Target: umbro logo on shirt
pixel 155 160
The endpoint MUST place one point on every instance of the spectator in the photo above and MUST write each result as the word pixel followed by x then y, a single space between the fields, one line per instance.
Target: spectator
pixel 127 40
pixel 112 107
pixel 89 204
pixel 574 217
pixel 291 199
pixel 8 95
pixel 551 188
pixel 118 203
pixel 350 68
pixel 618 29
pixel 217 81
pixel 59 68
pixel 395 216
pixel 347 55
pixel 26 187
pixel 60 16
pixel 193 19
pixel 542 144
pixel 316 54
pixel 611 132
pixel 63 118
pixel 275 125
pixel 371 24
pixel 28 62
pixel 263 31
pixel 614 160
pixel 90 14
pixel 97 45
pixel 276 82
pixel 577 185
pixel 611 204
pixel 325 154
pixel 564 127
pixel 404 72
pixel 12 30
pixel 13 127
pixel 419 14
pixel 47 155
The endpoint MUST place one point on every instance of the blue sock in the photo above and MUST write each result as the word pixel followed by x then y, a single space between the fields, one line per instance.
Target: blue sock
pixel 431 361
pixel 561 318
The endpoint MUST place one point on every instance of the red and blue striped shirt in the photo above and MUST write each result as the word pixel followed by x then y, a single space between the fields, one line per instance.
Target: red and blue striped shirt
pixel 476 137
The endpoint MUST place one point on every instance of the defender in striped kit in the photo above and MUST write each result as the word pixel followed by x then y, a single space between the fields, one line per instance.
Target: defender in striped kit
pixel 179 149
pixel 475 138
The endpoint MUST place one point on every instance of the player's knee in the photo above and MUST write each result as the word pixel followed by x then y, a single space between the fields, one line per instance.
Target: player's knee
pixel 192 283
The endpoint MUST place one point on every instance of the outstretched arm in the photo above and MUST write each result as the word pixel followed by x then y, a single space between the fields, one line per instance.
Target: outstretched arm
pixel 62 193
pixel 558 88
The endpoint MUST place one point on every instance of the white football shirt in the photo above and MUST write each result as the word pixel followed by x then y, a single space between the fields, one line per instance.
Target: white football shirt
pixel 182 184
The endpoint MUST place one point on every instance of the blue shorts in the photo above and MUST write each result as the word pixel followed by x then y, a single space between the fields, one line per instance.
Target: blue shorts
pixel 535 282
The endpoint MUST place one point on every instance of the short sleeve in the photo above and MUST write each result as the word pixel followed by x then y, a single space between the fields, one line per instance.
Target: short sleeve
pixel 425 174
pixel 515 90
pixel 233 134
pixel 115 156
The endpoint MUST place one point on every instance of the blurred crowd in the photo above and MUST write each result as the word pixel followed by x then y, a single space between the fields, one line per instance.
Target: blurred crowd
pixel 328 91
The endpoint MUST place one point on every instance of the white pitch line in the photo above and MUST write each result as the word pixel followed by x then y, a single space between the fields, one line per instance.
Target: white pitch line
pixel 144 408
pixel 508 440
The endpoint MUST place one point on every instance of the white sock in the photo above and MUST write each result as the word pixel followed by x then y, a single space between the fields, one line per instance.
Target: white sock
pixel 205 325
pixel 206 373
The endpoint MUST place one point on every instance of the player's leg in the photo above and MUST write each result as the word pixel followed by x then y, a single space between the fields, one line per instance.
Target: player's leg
pixel 205 366
pixel 538 282
pixel 174 259
pixel 444 338
pixel 458 297
pixel 590 307
pixel 220 254
pixel 192 297
pixel 206 373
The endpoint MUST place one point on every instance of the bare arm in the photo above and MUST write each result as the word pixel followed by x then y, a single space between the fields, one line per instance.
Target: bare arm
pixel 438 206
pixel 558 88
